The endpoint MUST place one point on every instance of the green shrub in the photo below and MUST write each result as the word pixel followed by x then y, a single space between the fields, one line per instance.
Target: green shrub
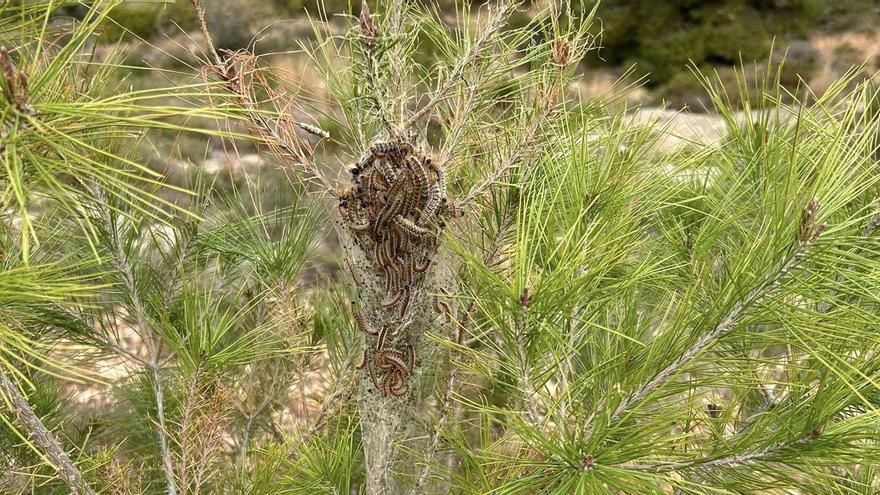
pixel 845 56
pixel 132 21
pixel 663 38
pixel 800 60
pixel 792 68
pixel 848 15
pixel 145 20
pixel 682 91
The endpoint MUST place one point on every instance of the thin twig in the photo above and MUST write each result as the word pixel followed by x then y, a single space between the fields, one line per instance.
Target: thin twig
pixel 528 389
pixel 547 102
pixel 566 365
pixel 369 42
pixel 445 409
pixel 200 14
pixel 723 462
pixel 499 15
pixel 41 436
pixel 523 149
pixel 459 125
pixel 126 272
pixel 868 231
pixel 161 431
pixel 438 432
pixel 398 67
pixel 279 140
pixel 873 226
pixel 702 343
pixel 329 410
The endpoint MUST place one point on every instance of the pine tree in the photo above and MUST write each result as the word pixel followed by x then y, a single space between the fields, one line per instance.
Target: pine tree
pixel 532 295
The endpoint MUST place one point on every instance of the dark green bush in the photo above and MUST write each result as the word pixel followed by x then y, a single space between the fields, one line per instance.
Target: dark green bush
pixel 800 60
pixel 684 90
pixel 663 37
pixel 792 66
pixel 845 56
pixel 848 15
pixel 144 20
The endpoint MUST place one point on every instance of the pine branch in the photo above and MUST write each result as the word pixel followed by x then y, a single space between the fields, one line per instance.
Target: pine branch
pixel 497 19
pixel 464 325
pixel 525 148
pixel 203 26
pixel 330 408
pixel 445 408
pixel 733 460
pixel 43 438
pixel 459 125
pixel 162 431
pixel 124 267
pixel 726 324
pixel 397 61
pixel 529 397
pixel 872 227
pixel 566 367
pixel 868 231
pixel 548 98
pixel 280 135
pixel 491 256
pixel 376 93
pixel 434 447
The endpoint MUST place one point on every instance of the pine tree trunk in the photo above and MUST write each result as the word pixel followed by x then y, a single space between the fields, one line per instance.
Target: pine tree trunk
pixel 43 438
pixel 396 430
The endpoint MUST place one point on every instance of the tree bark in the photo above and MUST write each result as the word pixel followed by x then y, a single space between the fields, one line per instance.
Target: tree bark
pixel 43 439
pixel 396 430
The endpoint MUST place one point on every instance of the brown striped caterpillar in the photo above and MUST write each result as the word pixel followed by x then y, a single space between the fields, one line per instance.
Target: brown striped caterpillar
pixel 382 149
pixel 397 299
pixel 380 338
pixel 393 212
pixel 387 214
pixel 364 359
pixel 410 362
pixel 371 372
pixel 388 371
pixel 398 391
pixel 433 202
pixel 410 227
pixel 406 297
pixel 391 359
pixel 421 268
pixel 406 274
pixel 361 322
pixel 417 172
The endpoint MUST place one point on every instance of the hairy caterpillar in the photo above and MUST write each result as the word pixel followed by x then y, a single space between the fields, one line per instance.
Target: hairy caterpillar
pixel 382 148
pixel 380 338
pixel 393 212
pixel 406 297
pixel 410 227
pixel 361 322
pixel 313 129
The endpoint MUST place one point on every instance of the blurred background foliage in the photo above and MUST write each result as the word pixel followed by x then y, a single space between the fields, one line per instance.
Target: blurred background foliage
pixel 663 40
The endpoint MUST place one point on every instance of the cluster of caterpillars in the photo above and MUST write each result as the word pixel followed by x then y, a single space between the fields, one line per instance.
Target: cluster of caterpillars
pixel 395 210
pixel 388 367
